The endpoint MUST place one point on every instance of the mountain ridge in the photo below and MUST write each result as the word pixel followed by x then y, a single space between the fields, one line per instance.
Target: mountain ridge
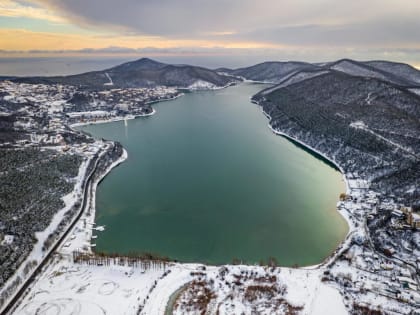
pixel 275 71
pixel 143 72
pixel 146 72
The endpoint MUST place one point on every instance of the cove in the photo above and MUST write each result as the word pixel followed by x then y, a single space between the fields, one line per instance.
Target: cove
pixel 207 181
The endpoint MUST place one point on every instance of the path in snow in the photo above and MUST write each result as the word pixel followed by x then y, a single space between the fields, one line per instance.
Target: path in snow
pixel 109 78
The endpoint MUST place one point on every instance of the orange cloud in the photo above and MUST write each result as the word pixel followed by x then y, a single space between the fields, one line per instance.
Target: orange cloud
pixel 9 8
pixel 24 40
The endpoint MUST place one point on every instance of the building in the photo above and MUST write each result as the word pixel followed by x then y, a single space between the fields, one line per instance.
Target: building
pixel 412 218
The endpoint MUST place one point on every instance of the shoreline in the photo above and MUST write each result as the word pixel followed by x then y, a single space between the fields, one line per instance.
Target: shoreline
pixel 127 117
pixel 326 260
pixel 160 298
pixel 90 214
pixel 344 213
pixel 131 116
pixel 165 99
pixel 209 88
pixel 313 150
pixel 105 121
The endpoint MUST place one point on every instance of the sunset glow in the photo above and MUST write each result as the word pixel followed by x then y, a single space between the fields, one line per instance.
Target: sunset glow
pixel 305 29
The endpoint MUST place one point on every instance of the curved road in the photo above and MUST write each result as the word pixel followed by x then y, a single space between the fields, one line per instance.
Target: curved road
pixel 29 280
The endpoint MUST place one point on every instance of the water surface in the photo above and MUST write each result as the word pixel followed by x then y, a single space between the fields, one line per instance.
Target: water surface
pixel 207 181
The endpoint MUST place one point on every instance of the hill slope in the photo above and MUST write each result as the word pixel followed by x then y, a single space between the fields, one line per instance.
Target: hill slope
pixel 400 69
pixel 272 71
pixel 141 73
pixel 277 72
pixel 368 126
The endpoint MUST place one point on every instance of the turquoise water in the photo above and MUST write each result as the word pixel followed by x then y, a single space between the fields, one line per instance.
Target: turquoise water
pixel 207 181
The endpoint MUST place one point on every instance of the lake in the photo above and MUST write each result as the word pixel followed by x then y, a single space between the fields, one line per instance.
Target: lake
pixel 207 181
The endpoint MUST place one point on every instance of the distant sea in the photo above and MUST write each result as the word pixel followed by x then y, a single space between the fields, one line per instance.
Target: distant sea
pixel 47 66
pixel 51 66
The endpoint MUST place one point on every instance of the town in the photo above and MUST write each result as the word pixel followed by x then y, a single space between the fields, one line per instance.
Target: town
pixel 44 162
pixel 49 109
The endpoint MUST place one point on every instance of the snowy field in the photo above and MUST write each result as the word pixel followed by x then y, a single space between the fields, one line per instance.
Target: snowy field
pixel 66 288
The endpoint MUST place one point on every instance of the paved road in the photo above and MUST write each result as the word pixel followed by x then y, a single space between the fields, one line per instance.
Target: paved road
pixel 29 280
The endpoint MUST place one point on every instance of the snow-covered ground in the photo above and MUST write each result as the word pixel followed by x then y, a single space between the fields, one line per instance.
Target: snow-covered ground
pixel 294 78
pixel 200 85
pixel 363 126
pixel 37 254
pixel 263 290
pixel 415 90
pixel 109 78
pixel 69 288
pixel 82 237
pixel 112 119
pixel 327 300
pixel 356 70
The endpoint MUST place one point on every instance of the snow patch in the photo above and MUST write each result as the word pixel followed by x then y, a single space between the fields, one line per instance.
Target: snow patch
pixel 201 85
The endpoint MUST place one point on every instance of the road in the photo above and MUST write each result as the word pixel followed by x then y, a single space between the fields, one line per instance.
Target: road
pixel 31 278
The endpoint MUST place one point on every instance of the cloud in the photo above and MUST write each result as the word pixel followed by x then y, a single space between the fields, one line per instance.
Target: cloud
pixel 292 53
pixel 27 40
pixel 374 33
pixel 158 17
pixel 331 23
pixel 282 22
pixel 9 8
pixel 278 29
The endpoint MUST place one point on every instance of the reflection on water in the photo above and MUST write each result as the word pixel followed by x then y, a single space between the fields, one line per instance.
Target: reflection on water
pixel 206 180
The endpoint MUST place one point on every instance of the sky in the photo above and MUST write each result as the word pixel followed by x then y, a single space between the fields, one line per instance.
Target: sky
pixel 236 30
